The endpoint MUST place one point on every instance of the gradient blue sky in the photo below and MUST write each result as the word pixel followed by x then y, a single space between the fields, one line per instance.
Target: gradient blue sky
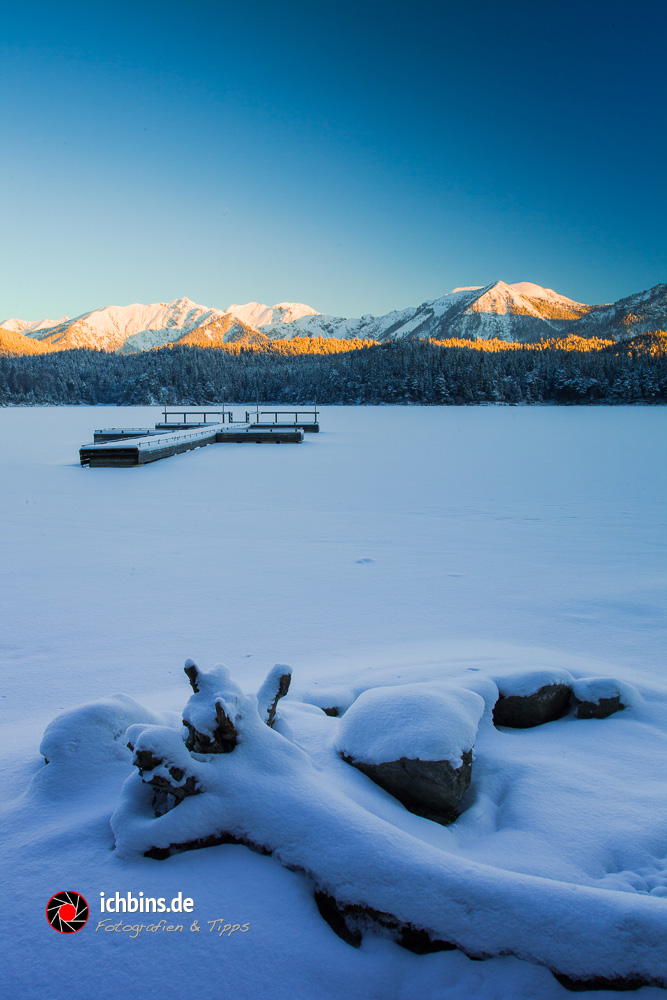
pixel 359 157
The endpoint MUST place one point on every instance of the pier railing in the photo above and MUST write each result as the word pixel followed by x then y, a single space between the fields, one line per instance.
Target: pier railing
pixel 156 440
pixel 313 414
pixel 220 416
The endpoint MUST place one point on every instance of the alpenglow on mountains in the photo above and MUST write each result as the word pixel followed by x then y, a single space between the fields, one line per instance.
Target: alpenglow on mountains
pixel 521 312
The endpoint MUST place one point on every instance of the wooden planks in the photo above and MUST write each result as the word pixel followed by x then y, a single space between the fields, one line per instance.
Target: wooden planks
pixel 150 448
pixel 251 434
pixel 126 447
pixel 307 428
pixel 120 433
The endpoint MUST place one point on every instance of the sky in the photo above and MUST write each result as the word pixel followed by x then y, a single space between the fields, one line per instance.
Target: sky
pixel 358 157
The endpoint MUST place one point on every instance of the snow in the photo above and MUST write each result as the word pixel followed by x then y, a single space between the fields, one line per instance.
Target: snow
pixel 90 734
pixel 266 696
pixel 268 791
pixel 500 299
pixel 522 311
pixel 139 327
pixel 538 292
pixel 29 327
pixel 213 686
pixel 593 689
pixel 527 682
pixel 132 327
pixel 448 549
pixel 415 721
pixel 258 315
pixel 161 439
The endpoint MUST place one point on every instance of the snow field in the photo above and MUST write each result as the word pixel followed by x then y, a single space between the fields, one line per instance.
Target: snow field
pixel 448 548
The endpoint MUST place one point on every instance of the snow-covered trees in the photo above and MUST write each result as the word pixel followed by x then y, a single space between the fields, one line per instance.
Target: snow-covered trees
pixel 408 372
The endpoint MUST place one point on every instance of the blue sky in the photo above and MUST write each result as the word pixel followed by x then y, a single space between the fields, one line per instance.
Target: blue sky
pixel 359 157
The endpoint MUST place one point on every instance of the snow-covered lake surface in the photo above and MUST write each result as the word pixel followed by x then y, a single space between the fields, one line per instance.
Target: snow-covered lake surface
pixel 400 545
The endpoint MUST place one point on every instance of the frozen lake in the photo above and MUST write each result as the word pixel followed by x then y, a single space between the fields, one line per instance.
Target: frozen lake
pixel 396 527
pixel 396 539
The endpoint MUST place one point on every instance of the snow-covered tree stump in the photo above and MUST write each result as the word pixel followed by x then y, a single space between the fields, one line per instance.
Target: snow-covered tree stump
pixel 163 765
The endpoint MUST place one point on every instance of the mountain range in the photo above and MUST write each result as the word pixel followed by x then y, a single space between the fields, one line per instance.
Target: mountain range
pixel 522 312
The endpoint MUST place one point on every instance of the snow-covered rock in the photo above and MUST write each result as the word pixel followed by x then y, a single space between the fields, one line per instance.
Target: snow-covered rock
pixel 533 698
pixel 415 742
pixel 600 697
pixel 86 736
pixel 419 722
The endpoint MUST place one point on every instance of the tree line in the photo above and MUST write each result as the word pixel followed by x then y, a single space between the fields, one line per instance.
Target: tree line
pixel 407 371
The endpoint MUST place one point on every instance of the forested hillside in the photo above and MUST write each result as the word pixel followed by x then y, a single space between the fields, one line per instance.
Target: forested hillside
pixel 406 371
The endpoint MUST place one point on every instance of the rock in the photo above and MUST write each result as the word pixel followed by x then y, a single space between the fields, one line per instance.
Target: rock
pixel 429 788
pixel 550 702
pixel 600 697
pixel 415 741
pixel 599 709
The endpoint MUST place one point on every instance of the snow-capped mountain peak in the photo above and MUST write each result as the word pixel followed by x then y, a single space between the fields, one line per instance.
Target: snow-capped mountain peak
pixel 532 291
pixel 259 315
pixel 527 300
pixel 29 327
pixel 522 311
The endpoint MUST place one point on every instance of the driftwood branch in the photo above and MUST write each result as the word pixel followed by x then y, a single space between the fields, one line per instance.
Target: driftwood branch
pixel 192 671
pixel 272 690
pixel 165 778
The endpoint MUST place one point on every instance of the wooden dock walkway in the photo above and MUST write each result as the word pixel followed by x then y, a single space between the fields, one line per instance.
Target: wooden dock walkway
pixel 261 435
pixel 120 433
pixel 128 451
pixel 123 447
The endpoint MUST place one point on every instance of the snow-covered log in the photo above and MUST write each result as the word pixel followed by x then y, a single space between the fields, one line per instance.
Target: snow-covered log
pixel 368 872
pixel 164 764
pixel 208 716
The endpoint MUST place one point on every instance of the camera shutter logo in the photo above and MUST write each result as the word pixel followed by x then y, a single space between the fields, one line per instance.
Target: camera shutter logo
pixel 67 912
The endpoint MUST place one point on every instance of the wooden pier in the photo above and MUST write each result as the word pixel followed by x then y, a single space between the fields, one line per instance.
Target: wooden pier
pixel 121 453
pixel 307 420
pixel 193 418
pixel 123 447
pixel 120 433
pixel 261 435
